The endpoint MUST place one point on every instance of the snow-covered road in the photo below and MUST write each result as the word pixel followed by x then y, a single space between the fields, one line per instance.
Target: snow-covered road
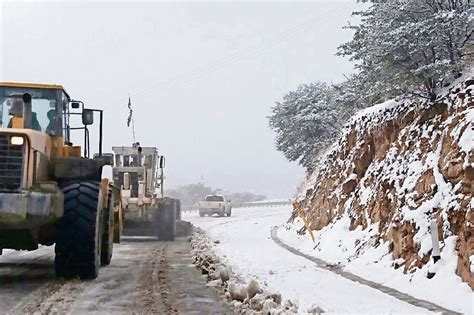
pixel 245 244
pixel 145 277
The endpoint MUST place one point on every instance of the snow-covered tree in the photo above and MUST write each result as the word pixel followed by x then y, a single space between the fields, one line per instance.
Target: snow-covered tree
pixel 349 95
pixel 307 121
pixel 408 46
pixel 400 47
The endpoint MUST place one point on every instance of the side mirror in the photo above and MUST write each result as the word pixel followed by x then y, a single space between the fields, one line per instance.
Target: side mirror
pixel 75 105
pixel 87 117
pixel 162 161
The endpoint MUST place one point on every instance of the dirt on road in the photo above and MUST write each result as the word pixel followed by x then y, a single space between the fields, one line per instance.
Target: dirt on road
pixel 145 277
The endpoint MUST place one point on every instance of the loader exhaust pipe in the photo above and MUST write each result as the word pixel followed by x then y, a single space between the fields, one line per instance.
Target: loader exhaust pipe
pixel 27 112
pixel 140 156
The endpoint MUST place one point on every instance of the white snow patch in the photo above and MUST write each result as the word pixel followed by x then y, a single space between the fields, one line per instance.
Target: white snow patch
pixel 361 253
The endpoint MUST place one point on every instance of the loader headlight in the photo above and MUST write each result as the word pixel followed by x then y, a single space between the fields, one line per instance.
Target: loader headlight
pixel 16 140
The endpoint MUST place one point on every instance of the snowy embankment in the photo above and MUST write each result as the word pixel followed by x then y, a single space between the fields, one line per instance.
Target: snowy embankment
pixel 398 169
pixel 243 243
pixel 337 245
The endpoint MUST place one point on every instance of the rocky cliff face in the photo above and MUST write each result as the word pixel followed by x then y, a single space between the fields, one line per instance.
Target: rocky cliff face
pixel 398 166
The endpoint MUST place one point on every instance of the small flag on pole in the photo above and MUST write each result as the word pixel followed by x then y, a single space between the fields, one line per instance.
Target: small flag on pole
pixel 129 119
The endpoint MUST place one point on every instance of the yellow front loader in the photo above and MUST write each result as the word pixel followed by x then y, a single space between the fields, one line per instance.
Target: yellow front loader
pixel 51 191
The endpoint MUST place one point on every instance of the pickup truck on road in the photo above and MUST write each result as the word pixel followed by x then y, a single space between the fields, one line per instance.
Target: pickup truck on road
pixel 215 204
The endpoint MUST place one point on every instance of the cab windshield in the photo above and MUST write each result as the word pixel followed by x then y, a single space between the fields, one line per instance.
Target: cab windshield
pixel 132 160
pixel 214 198
pixel 43 105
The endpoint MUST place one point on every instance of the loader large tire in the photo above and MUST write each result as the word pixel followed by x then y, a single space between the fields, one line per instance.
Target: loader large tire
pixel 165 221
pixel 108 232
pixel 78 232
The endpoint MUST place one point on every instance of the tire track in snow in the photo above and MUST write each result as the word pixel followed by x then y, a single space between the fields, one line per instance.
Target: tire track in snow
pixel 154 283
pixel 350 276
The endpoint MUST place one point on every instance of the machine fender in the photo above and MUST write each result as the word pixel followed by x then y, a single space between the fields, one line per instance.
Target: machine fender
pixel 118 216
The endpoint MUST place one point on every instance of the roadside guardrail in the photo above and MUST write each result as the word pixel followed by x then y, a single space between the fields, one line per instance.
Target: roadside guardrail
pixel 256 204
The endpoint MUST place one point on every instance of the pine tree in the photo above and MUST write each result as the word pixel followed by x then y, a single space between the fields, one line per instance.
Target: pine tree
pixel 406 46
pixel 307 121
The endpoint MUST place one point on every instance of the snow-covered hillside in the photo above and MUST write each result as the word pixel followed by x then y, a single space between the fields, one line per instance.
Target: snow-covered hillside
pixel 398 166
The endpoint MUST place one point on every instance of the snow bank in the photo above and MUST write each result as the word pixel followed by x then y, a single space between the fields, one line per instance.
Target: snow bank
pixel 356 252
pixel 248 298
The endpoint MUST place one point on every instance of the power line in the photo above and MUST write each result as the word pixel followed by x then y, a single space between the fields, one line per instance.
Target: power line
pixel 223 61
pixel 250 50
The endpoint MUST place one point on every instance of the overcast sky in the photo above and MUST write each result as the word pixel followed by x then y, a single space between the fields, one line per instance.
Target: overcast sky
pixel 202 76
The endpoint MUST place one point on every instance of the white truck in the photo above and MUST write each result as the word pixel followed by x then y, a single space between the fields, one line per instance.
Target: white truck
pixel 215 204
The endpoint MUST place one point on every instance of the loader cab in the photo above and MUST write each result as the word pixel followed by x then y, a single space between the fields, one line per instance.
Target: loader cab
pixel 36 125
pixel 48 110
pixel 36 107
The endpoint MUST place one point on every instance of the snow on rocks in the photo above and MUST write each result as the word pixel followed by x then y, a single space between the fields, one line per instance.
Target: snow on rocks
pixel 401 165
pixel 253 288
pixel 315 310
pixel 236 290
pixel 248 298
pixel 224 274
